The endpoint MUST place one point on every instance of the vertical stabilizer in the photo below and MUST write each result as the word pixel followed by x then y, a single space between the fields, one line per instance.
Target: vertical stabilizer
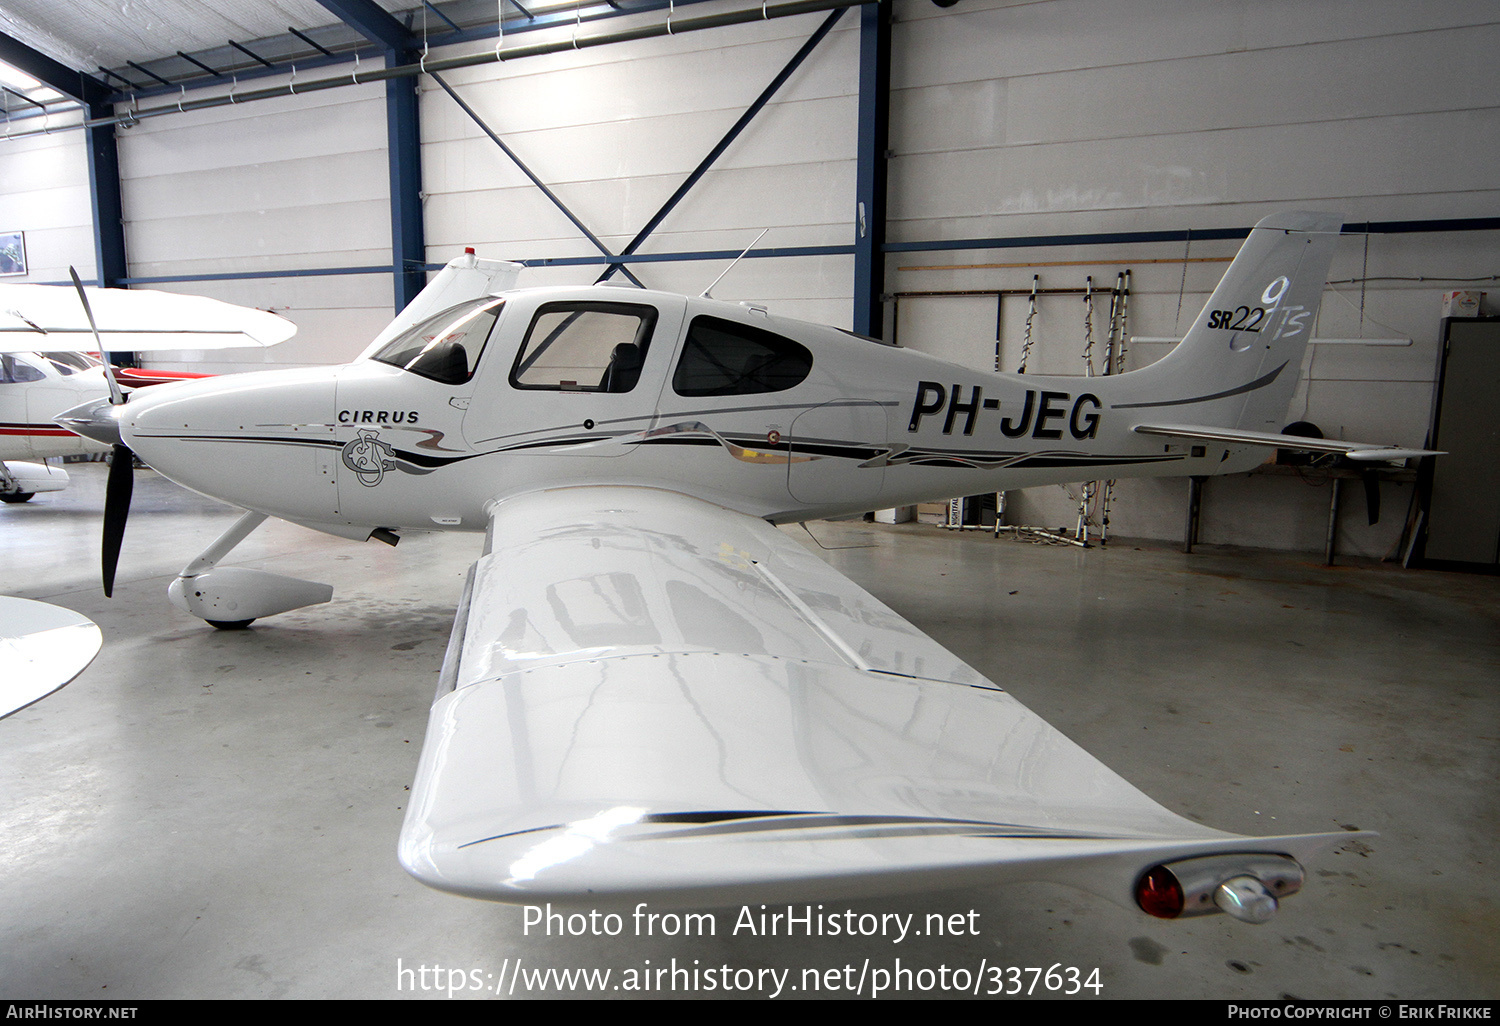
pixel 1239 362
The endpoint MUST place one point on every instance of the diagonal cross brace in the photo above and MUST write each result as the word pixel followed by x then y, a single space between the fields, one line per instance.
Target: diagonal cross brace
pixel 729 137
pixel 528 173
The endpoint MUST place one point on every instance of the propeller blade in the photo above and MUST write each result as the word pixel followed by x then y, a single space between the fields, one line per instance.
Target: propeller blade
pixel 116 397
pixel 117 491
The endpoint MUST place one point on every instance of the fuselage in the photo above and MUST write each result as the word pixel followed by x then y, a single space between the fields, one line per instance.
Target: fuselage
pixel 35 388
pixel 777 418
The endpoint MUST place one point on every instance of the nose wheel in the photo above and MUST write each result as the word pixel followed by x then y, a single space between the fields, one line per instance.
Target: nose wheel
pixel 209 591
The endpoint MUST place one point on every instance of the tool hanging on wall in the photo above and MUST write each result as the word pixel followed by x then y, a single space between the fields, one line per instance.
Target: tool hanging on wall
pixel 1123 334
pixel 1114 363
pixel 970 512
pixel 1036 283
pixel 1088 327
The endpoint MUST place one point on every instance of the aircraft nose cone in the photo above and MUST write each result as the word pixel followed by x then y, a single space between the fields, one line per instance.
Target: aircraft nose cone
pixel 97 419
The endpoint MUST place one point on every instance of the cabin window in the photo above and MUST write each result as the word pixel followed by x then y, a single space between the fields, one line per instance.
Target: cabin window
pixel 726 358
pixel 16 371
pixel 445 347
pixel 585 347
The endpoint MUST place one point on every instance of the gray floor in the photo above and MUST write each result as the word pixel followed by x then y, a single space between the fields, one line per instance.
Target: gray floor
pixel 210 814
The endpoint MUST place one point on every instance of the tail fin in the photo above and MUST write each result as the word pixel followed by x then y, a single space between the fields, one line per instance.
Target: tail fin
pixel 1238 365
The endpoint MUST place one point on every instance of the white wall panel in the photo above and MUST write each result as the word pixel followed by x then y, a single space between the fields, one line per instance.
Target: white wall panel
pixel 1063 117
pixel 336 316
pixel 691 74
pixel 994 38
pixel 1288 85
pixel 294 183
pixel 615 131
pixel 1337 163
pixel 347 120
pixel 44 192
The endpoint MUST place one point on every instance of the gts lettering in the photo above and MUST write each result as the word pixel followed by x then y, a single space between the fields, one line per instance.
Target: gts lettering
pixel 1042 415
pixel 1241 318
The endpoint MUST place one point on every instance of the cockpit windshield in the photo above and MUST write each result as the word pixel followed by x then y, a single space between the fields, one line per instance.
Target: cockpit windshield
pixel 70 363
pixel 447 346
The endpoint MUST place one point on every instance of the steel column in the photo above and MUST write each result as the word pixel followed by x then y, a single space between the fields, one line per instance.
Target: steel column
pixel 870 167
pixel 103 157
pixel 404 135
pixel 105 201
pixel 403 141
pixel 68 81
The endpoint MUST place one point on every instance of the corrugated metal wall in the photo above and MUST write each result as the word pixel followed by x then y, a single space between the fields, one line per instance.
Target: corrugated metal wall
pixel 44 192
pixel 615 130
pixel 1013 120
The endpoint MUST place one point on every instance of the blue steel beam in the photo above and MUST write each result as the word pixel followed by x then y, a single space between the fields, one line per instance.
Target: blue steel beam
pixel 371 21
pixel 408 239
pixel 729 137
pixel 68 81
pixel 1457 224
pixel 104 196
pixel 103 157
pixel 515 27
pixel 870 167
pixel 403 143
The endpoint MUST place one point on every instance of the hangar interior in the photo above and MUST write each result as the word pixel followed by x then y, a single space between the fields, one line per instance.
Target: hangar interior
pixel 972 181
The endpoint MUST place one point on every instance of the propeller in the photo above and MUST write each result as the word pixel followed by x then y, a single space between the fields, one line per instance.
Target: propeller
pixel 121 481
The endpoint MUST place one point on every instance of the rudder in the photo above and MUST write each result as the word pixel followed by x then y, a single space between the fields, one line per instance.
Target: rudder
pixel 1239 363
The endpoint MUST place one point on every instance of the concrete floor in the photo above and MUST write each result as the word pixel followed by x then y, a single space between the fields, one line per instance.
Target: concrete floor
pixel 211 814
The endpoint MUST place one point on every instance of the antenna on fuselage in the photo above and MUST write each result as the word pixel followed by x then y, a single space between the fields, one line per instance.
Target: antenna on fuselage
pixel 736 260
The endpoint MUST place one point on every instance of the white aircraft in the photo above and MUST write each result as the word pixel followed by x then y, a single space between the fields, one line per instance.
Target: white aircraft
pixel 652 693
pixel 42 373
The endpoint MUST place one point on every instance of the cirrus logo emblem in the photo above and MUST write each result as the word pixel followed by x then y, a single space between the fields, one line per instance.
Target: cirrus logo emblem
pixel 369 457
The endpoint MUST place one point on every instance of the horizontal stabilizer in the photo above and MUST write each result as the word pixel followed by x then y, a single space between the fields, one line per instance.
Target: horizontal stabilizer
pixel 49 318
pixel 1363 451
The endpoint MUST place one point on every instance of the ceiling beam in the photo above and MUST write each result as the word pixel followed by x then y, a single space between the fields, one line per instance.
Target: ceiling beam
pixel 54 74
pixel 371 21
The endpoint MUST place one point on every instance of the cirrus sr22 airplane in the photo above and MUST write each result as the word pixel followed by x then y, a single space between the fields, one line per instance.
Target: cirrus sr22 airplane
pixel 650 691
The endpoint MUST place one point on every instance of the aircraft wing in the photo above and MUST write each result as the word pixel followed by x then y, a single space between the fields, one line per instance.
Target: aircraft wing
pixel 42 647
pixel 1363 451
pixel 44 318
pixel 649 697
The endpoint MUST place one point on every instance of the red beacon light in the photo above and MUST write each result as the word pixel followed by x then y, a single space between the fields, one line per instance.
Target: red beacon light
pixel 1159 894
pixel 1247 886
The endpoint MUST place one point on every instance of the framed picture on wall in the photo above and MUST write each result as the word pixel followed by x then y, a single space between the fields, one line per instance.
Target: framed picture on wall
pixel 12 253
